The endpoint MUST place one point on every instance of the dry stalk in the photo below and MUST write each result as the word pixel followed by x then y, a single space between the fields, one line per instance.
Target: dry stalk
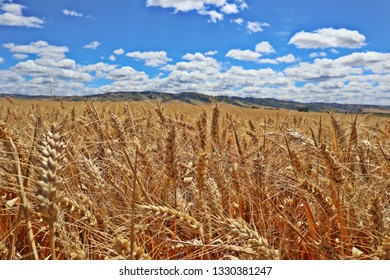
pixel 24 200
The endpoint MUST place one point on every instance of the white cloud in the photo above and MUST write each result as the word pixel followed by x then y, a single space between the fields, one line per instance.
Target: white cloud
pixel 242 4
pixel 361 77
pixel 321 70
pixel 73 75
pixel 328 38
pixel 264 47
pixel 214 15
pixel 54 63
pixel 112 57
pixel 184 6
pixel 211 53
pixel 238 21
pixel 125 73
pixel 1 60
pixel 287 59
pixel 13 16
pixel 252 78
pixel 212 8
pixel 374 61
pixel 230 9
pixel 119 51
pixel 40 48
pixel 245 55
pixel 8 79
pixel 194 57
pixel 98 68
pixel 334 51
pixel 58 70
pixel 154 59
pixel 318 54
pixel 71 13
pixel 92 45
pixel 255 26
pixel 267 61
pixel 282 59
pixel 20 56
pixel 196 63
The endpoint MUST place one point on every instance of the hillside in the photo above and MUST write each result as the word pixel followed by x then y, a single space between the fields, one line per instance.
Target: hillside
pixel 198 98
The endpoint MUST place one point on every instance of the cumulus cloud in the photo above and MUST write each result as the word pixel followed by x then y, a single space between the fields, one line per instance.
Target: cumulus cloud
pixel 264 47
pixel 196 56
pixel 125 73
pixel 214 15
pixel 20 56
pixel 39 48
pixel 71 13
pixel 212 8
pixel 12 15
pixel 211 53
pixel 360 77
pixel 98 68
pixel 154 59
pixel 255 56
pixel 119 51
pixel 230 9
pixel 328 38
pixel 184 6
pixel 116 52
pixel 92 45
pixel 318 54
pixel 255 26
pixel 245 55
pixel 374 61
pixel 267 61
pixel 290 58
pixel 238 21
pixel 59 70
pixel 1 60
pixel 321 70
pixel 195 63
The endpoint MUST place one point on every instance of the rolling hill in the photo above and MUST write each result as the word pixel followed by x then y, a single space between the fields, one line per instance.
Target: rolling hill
pixel 198 98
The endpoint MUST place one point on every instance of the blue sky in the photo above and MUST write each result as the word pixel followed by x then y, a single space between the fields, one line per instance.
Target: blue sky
pixel 308 51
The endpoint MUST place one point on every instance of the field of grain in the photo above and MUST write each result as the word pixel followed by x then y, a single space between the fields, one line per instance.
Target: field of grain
pixel 91 180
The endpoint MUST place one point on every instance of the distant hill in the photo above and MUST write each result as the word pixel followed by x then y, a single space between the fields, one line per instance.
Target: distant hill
pixel 198 98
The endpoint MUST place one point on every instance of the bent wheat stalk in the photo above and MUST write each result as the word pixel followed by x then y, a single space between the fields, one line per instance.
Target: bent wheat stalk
pixel 24 200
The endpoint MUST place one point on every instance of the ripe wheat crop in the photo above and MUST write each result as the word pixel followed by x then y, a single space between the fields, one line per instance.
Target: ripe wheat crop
pixel 138 180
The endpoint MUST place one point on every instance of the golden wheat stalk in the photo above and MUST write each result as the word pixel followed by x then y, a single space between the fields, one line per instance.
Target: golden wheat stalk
pixel 24 200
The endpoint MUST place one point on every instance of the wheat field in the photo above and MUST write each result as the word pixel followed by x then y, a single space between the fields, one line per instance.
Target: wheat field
pixel 148 180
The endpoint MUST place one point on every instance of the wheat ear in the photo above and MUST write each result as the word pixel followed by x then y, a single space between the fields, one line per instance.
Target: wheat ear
pixel 49 190
pixel 376 214
pixel 215 125
pixel 169 213
pixel 244 233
